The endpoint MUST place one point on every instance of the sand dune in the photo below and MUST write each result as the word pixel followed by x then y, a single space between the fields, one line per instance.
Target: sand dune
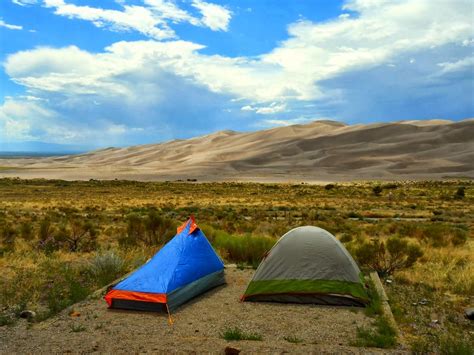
pixel 318 151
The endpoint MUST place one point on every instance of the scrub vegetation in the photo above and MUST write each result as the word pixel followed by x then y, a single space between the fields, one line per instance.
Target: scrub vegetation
pixel 61 240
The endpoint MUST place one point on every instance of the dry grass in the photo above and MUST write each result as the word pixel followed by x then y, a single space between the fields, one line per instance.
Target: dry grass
pixel 242 221
pixel 445 269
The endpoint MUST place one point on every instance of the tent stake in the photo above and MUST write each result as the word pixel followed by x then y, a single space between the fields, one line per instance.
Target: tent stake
pixel 170 320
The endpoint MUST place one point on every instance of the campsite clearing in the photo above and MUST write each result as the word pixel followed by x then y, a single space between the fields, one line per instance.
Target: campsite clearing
pixel 198 326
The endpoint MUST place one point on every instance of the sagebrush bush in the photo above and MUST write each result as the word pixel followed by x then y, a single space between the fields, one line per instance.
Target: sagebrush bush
pixel 107 267
pixel 77 235
pixel 387 256
pixel 8 234
pixel 151 229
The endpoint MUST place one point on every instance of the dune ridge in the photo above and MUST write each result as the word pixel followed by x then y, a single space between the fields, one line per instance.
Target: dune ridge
pixel 317 151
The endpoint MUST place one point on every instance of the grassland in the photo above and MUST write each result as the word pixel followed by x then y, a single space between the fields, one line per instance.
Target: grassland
pixel 61 240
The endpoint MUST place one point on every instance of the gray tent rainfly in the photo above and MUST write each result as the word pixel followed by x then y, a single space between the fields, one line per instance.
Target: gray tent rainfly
pixel 308 265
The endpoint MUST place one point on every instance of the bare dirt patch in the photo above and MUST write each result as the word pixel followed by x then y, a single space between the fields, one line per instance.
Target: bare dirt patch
pixel 197 327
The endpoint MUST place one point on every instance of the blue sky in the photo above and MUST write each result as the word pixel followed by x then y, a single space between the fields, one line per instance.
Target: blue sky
pixel 87 74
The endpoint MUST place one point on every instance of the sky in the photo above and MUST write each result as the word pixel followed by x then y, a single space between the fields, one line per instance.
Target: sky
pixel 86 74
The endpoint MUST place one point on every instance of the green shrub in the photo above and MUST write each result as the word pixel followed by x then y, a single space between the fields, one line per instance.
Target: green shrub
pixel 26 231
pixel 237 334
pixel 246 248
pixel 135 229
pixel 460 193
pixel 46 236
pixel 385 257
pixel 65 286
pixel 151 230
pixel 345 238
pixel 441 235
pixel 158 230
pixel 105 268
pixel 377 190
pixel 7 235
pixel 77 235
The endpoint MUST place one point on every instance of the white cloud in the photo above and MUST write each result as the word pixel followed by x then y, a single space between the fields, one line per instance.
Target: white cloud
pixel 25 2
pixel 266 110
pixel 380 33
pixel 151 20
pixel 16 117
pixel 168 10
pixel 136 18
pixel 9 26
pixel 142 76
pixel 382 30
pixel 214 16
pixel 273 108
pixel 462 64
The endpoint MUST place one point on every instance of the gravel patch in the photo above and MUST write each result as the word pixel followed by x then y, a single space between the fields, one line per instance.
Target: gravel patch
pixel 197 327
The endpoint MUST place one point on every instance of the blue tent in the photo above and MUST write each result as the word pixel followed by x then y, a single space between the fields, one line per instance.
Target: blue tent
pixel 184 268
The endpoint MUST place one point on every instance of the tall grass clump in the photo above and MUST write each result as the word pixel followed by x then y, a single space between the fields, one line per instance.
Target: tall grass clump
pixel 107 267
pixel 243 248
pixel 374 307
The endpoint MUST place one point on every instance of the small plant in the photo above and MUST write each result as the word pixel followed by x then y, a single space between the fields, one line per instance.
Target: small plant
pixel 76 328
pixel 384 336
pixel 329 186
pixel 375 305
pixel 377 190
pixel 293 339
pixel 237 334
pixel 460 193
pixel 6 319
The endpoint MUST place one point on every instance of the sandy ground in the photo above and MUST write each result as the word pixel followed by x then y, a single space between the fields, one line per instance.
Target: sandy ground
pixel 197 327
pixel 318 151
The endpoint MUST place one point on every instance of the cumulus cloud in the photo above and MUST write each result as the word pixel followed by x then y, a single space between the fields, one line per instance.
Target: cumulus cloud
pixel 9 26
pixel 136 18
pixel 152 19
pixel 214 16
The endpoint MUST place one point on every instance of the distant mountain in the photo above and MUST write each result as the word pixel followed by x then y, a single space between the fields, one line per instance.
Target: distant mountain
pixel 318 151
pixel 39 148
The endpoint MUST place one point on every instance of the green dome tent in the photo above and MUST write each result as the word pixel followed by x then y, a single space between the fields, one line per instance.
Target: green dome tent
pixel 308 265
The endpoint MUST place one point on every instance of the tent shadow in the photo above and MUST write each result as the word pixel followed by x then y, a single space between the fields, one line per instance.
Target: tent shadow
pixel 202 296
